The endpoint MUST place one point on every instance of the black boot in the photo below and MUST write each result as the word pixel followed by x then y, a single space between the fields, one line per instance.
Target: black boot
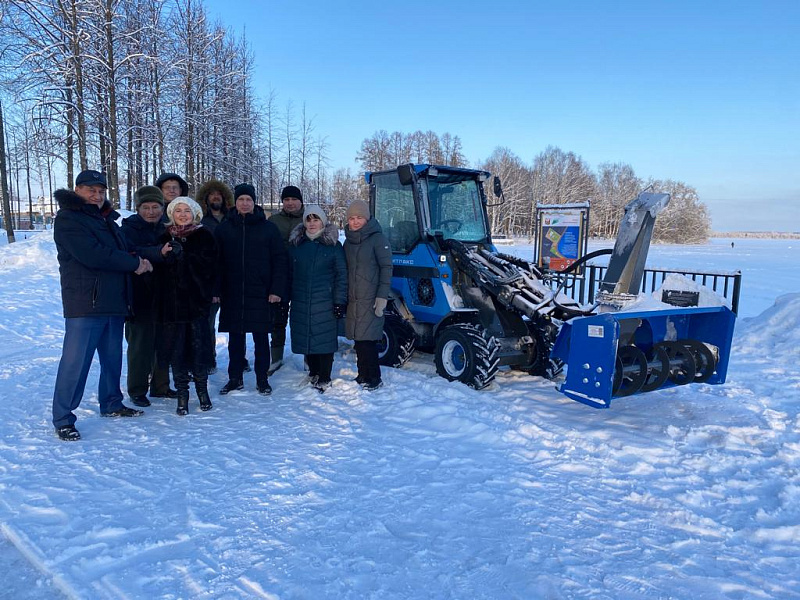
pixel 232 385
pixel 264 388
pixel 183 402
pixel 201 387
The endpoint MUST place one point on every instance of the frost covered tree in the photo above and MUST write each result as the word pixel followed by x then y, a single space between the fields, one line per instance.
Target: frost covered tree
pixel 139 87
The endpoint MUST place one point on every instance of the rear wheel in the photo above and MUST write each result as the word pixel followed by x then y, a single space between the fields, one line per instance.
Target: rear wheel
pixel 397 343
pixel 467 353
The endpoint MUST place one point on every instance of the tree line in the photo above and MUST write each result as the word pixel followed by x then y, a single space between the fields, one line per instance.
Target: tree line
pixel 139 87
pixel 554 177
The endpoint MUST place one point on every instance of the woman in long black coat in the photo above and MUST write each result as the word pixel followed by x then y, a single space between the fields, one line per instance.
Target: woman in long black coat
pixel 252 269
pixel 319 292
pixel 184 287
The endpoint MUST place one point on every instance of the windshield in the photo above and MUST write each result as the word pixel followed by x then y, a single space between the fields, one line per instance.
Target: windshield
pixel 456 208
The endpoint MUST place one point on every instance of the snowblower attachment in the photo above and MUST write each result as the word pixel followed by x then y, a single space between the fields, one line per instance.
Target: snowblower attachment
pixel 618 352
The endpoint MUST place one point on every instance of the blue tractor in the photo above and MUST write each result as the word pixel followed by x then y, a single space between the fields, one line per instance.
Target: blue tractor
pixel 476 310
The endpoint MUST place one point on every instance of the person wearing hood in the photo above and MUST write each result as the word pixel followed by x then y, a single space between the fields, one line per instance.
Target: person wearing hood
pixel 319 293
pixel 369 278
pixel 95 265
pixel 142 231
pixel 289 217
pixel 252 270
pixel 172 185
pixel 216 199
pixel 184 289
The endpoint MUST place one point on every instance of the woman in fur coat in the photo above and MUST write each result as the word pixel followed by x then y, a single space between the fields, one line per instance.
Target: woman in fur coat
pixel 184 286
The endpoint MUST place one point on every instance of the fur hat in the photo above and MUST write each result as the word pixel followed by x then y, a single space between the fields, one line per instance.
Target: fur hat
pixel 164 177
pixel 148 193
pixel 358 208
pixel 291 191
pixel 214 185
pixel 315 209
pixel 244 189
pixel 197 212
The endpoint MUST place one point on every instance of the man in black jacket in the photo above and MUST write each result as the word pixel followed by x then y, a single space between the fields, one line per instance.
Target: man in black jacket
pixel 251 273
pixel 142 231
pixel 95 267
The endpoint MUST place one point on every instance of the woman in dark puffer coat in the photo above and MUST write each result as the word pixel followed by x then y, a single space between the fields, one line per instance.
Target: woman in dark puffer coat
pixel 184 286
pixel 319 293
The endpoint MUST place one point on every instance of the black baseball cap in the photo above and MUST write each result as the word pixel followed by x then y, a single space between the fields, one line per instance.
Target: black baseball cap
pixel 91 178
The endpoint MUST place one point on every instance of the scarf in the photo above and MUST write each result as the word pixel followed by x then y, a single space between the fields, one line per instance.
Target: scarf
pixel 181 231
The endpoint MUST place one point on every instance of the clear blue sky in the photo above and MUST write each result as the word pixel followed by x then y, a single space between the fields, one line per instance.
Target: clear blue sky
pixel 703 92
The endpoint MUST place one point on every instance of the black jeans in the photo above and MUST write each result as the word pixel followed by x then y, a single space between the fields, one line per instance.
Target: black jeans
pixel 369 369
pixel 280 318
pixel 321 366
pixel 236 350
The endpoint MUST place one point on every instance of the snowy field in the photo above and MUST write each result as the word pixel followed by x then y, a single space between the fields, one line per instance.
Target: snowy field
pixel 422 490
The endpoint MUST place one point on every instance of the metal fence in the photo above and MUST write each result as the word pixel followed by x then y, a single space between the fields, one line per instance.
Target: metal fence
pixel 583 288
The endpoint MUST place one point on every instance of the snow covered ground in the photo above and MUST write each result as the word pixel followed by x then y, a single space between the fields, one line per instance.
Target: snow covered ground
pixel 424 489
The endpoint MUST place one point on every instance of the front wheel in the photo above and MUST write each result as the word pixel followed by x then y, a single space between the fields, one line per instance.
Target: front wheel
pixel 397 343
pixel 467 353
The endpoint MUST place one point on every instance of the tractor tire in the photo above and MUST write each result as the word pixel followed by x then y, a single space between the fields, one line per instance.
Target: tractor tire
pixel 397 343
pixel 467 353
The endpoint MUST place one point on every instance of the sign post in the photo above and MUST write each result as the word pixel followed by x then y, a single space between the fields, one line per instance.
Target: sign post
pixel 561 235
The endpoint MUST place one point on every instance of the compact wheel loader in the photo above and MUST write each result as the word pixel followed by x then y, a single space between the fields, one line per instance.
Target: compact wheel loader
pixel 476 309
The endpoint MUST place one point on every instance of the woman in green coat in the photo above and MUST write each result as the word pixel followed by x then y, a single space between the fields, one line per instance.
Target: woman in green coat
pixel 319 293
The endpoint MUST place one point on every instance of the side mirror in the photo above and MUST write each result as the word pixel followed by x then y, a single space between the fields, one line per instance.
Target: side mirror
pixel 406 174
pixel 497 186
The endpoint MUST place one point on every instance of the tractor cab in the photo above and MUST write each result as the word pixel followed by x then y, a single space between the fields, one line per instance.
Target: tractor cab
pixel 425 202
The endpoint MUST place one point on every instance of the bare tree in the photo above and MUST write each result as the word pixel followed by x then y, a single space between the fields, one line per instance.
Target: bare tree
pixel 7 217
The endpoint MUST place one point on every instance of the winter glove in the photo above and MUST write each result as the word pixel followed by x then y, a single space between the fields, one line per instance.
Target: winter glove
pixel 379 306
pixel 339 310
pixel 176 252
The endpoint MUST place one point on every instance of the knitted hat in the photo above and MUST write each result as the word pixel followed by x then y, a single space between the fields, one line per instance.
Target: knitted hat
pixel 164 177
pixel 148 193
pixel 291 191
pixel 244 189
pixel 315 209
pixel 358 208
pixel 197 212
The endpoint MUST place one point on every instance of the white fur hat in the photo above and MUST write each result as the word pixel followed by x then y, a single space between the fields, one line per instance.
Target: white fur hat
pixel 194 206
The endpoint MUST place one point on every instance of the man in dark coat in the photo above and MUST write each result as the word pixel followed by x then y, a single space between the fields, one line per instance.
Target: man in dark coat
pixel 251 278
pixel 319 293
pixel 95 267
pixel 289 217
pixel 142 231
pixel 369 279
pixel 216 199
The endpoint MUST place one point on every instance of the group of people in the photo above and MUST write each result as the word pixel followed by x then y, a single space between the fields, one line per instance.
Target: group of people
pixel 171 268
